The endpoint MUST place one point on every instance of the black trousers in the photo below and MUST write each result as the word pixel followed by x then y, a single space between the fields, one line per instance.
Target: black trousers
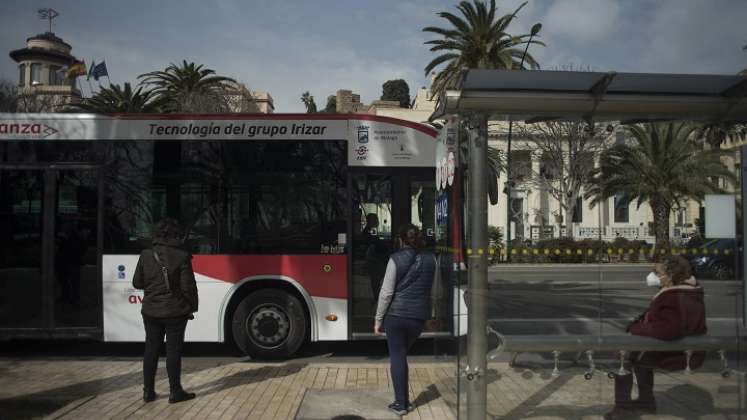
pixel 155 329
pixel 401 333
pixel 643 368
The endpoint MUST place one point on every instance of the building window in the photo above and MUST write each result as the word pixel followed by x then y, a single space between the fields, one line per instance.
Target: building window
pixel 548 169
pixel 578 211
pixel 21 74
pixel 521 161
pixel 56 77
pixel 621 209
pixel 681 217
pixel 36 73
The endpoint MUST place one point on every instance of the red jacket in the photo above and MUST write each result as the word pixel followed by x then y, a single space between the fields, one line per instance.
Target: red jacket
pixel 674 312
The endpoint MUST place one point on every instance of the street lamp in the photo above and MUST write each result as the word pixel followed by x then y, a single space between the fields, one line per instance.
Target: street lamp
pixel 509 185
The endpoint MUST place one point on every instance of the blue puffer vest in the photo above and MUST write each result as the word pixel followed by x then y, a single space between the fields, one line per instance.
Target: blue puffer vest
pixel 412 292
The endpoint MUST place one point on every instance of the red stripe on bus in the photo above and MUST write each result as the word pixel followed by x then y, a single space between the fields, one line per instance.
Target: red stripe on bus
pixel 289 117
pixel 320 275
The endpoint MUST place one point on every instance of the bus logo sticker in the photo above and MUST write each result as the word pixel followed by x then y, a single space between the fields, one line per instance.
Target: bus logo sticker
pixel 361 153
pixel 121 272
pixel 363 134
pixel 327 268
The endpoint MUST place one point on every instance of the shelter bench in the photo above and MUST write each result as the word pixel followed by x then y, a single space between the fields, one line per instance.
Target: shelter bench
pixel 620 344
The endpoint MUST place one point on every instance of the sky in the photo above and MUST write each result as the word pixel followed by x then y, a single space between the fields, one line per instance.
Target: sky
pixel 287 47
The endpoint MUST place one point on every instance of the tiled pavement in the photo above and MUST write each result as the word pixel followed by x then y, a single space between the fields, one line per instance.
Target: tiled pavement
pixel 100 389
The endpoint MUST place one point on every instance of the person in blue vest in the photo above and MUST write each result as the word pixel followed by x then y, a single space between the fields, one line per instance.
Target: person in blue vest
pixel 403 307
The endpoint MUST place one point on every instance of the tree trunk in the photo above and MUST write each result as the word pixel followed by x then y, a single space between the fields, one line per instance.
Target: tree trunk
pixel 661 222
pixel 570 205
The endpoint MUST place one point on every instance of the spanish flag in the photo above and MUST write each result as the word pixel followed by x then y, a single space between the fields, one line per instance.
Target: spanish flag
pixel 78 68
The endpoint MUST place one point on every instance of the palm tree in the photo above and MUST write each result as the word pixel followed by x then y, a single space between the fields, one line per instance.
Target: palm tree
pixel 664 166
pixel 479 41
pixel 115 99
pixel 190 88
pixel 308 101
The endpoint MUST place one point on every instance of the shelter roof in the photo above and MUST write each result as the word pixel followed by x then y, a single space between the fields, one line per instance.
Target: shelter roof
pixel 628 97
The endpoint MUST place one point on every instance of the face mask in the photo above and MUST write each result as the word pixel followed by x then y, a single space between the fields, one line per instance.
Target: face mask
pixel 653 280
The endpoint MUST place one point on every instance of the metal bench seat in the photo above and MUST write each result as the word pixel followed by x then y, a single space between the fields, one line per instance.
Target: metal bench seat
pixel 619 344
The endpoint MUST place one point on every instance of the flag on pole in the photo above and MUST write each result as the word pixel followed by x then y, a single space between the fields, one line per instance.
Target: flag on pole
pixel 100 70
pixel 78 68
pixel 90 70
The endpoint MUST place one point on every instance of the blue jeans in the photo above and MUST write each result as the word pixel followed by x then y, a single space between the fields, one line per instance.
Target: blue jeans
pixel 401 333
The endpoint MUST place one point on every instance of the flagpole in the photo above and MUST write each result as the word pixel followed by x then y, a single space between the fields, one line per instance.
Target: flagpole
pixel 80 85
pixel 108 80
pixel 88 75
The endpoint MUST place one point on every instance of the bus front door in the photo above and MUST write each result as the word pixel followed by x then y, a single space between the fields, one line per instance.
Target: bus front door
pixel 50 230
pixel 381 202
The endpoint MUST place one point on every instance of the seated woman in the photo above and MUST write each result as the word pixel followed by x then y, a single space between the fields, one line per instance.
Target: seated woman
pixel 676 311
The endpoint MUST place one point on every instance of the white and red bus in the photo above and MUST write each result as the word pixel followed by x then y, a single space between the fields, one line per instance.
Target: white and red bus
pixel 275 207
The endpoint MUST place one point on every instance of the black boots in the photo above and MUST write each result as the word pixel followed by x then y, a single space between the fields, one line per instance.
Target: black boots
pixel 625 408
pixel 149 395
pixel 180 395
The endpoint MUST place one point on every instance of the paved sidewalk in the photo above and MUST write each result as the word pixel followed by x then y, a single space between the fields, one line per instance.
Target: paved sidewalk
pixel 111 389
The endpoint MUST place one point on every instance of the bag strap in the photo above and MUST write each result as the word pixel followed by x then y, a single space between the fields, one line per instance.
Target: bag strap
pixel 164 270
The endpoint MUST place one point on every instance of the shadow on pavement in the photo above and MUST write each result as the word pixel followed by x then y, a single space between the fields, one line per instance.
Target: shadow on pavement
pixel 681 402
pixel 43 403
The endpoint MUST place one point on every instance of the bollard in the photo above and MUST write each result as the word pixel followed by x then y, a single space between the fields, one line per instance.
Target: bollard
pixel 556 357
pixel 623 371
pixel 590 357
pixel 724 364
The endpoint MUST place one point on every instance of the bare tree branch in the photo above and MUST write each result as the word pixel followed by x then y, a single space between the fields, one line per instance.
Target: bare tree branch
pixel 568 152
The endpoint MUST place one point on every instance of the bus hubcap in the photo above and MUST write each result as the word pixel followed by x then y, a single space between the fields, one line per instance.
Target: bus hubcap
pixel 268 326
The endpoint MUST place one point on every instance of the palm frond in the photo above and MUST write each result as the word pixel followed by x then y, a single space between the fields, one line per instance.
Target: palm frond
pixel 189 86
pixel 476 39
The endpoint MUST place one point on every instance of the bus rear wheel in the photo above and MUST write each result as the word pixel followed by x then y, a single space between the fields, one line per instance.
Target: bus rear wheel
pixel 269 324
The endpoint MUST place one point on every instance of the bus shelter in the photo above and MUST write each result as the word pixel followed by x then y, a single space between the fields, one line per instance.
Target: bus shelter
pixel 538 96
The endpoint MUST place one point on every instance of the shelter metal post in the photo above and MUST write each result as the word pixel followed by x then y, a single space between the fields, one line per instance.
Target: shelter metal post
pixel 509 188
pixel 477 345
pixel 743 262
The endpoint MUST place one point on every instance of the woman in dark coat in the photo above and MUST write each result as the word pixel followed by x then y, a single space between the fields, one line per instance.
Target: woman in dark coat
pixel 165 273
pixel 676 311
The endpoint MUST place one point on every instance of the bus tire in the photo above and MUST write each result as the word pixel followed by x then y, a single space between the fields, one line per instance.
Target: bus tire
pixel 269 324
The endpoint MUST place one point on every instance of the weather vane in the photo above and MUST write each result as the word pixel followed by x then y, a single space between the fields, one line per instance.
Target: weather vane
pixel 49 14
